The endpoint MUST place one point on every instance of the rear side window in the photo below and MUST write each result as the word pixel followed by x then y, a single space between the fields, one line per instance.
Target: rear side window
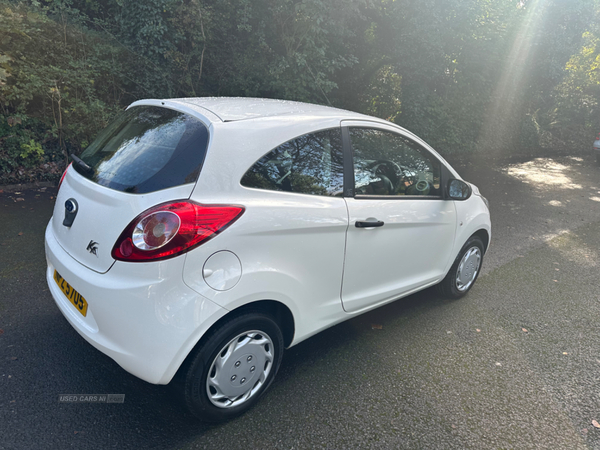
pixel 309 164
pixel 147 149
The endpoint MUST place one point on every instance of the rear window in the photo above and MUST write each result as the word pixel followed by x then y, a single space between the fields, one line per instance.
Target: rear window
pixel 146 149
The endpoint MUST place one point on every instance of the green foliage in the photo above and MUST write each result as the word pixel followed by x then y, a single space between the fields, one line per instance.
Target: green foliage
pixel 466 75
pixel 31 150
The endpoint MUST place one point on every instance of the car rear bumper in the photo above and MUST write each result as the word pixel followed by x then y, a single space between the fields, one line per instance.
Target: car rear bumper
pixel 142 315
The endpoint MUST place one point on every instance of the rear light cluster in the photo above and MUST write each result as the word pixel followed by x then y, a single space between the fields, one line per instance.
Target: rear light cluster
pixel 170 229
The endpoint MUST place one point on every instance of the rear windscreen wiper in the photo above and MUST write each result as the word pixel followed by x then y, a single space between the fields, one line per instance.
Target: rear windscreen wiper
pixel 81 163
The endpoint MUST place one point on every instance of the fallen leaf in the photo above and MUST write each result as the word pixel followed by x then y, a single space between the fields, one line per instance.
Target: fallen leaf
pixel 596 424
pixel 478 330
pixel 448 332
pixel 375 326
pixel 13 358
pixel 20 199
pixel 565 353
pixel 525 330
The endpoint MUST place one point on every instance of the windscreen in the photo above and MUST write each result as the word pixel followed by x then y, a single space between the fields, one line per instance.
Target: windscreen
pixel 146 149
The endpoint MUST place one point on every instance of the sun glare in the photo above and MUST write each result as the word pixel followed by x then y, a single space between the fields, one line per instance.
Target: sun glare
pixel 502 120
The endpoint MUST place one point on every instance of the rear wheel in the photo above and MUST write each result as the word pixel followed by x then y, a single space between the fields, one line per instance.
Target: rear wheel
pixel 464 270
pixel 233 368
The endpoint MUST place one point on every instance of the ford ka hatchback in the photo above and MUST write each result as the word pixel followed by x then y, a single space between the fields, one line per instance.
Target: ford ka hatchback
pixel 195 239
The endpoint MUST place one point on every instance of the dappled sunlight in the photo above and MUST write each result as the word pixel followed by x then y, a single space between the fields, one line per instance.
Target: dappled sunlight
pixel 555 203
pixel 574 250
pixel 543 172
pixel 595 199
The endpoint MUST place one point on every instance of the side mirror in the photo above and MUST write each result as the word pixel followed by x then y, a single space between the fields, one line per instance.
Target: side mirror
pixel 459 190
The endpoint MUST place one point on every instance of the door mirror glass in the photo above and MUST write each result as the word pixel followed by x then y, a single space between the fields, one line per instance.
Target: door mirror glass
pixel 458 190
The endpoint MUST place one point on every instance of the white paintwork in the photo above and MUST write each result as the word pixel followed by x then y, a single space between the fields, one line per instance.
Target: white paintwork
pixel 141 315
pixel 291 248
pixel 300 250
pixel 103 215
pixel 411 250
pixel 222 271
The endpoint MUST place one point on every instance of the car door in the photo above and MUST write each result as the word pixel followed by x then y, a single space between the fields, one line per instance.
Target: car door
pixel 401 229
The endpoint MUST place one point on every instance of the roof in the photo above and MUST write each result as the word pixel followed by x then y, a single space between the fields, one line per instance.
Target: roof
pixel 230 109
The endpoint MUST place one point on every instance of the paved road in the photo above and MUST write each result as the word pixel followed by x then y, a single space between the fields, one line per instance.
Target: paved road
pixel 515 364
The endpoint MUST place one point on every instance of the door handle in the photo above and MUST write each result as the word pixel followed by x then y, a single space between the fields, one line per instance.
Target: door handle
pixel 361 224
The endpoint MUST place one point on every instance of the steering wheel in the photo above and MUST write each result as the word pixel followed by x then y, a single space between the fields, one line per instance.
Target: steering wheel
pixel 420 185
pixel 395 172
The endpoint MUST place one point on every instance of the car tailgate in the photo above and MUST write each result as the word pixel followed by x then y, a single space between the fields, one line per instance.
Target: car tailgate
pixel 102 215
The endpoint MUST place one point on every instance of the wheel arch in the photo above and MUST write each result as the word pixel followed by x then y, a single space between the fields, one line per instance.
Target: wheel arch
pixel 277 310
pixel 484 236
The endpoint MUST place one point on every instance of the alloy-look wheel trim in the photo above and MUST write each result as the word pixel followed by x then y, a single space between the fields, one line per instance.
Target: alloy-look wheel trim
pixel 468 268
pixel 240 369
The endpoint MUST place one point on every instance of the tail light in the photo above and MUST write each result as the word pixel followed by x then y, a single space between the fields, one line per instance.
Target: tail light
pixel 63 175
pixel 171 229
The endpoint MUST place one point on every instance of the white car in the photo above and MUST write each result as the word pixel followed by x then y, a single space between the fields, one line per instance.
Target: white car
pixel 197 238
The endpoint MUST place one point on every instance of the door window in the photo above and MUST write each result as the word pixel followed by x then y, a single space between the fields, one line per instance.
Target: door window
pixel 388 164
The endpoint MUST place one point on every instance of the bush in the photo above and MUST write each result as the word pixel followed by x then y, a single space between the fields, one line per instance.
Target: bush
pixel 60 83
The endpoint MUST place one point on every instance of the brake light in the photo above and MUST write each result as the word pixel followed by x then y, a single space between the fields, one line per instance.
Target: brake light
pixel 63 175
pixel 171 229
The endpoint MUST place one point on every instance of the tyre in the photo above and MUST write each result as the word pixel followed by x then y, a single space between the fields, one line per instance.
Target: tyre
pixel 464 271
pixel 234 366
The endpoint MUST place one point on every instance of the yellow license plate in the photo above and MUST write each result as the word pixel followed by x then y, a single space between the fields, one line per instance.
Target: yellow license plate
pixel 74 297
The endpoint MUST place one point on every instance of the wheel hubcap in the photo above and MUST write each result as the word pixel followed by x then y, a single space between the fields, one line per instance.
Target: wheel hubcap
pixel 240 369
pixel 468 269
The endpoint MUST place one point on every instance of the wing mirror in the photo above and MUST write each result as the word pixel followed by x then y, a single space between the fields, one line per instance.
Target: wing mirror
pixel 459 190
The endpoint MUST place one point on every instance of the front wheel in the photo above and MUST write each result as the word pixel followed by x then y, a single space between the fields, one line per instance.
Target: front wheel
pixel 464 270
pixel 233 367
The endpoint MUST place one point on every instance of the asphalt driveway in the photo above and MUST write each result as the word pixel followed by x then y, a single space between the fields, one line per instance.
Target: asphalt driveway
pixel 515 364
